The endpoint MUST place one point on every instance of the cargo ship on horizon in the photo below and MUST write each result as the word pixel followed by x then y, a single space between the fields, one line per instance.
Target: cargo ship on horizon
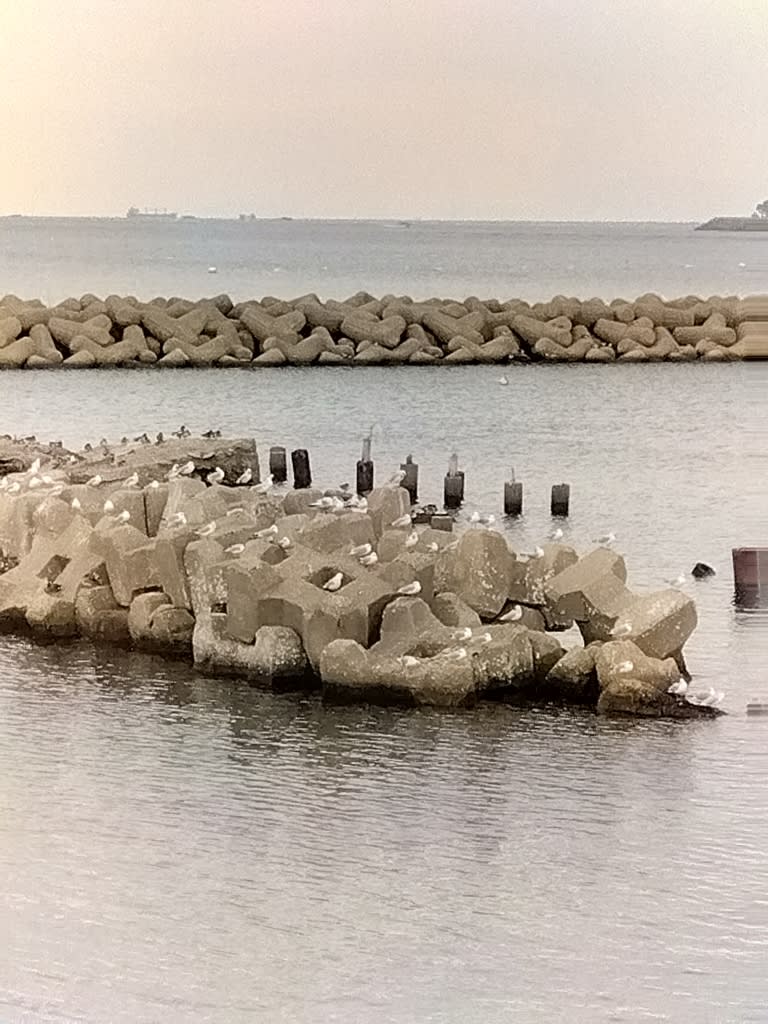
pixel 134 213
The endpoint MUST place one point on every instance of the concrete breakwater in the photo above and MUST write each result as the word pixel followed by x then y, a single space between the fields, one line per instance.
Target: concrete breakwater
pixel 178 548
pixel 363 330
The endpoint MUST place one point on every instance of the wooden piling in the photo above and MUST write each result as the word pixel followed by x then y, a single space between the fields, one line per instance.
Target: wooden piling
pixel 561 497
pixel 364 477
pixel 513 498
pixel 302 475
pixel 411 478
pixel 750 577
pixel 453 484
pixel 278 465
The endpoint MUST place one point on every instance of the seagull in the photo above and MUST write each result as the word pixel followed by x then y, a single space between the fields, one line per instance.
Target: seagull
pixel 177 519
pixel 132 480
pixel 433 546
pixel 412 539
pixel 284 543
pixel 408 661
pixel 173 472
pixel 334 583
pixel 75 504
pixel 482 638
pixel 268 531
pixel 396 479
pixel 677 582
pixel 34 483
pixel 556 534
pixel 485 520
pixel 537 553
pixel 360 550
pixel 623 630
pixel 410 589
pixel 154 484
pixel 401 521
pixel 216 476
pixel 109 506
pixel 707 699
pixel 514 614
pixel 458 654
pixel 187 469
pixel 368 560
pixel 235 511
pixel 35 467
pixel 124 516
pixel 465 633
pixel 624 667
pixel 245 477
pixel 324 502
pixel 605 540
pixel 361 504
pixel 235 549
pixel 207 530
pixel 94 481
pixel 678 689
pixel 265 484
pixel 14 488
pixel 503 381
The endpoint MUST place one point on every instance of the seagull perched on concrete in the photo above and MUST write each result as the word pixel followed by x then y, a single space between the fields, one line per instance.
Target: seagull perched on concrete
pixel 457 654
pixel 326 502
pixel 132 480
pixel 433 546
pixel 235 549
pixel 268 531
pixel 94 481
pixel 334 583
pixel 187 469
pixel 464 633
pixel 514 614
pixel 396 479
pixel 361 504
pixel 265 484
pixel 177 519
pixel 207 530
pixel 34 483
pixel 217 476
pixel 75 504
pixel 412 539
pixel 625 667
pixel 35 467
pixel 678 689
pixel 284 543
pixel 153 485
pixel 108 506
pixel 124 516
pixel 401 521
pixel 623 630
pixel 408 661
pixel 358 550
pixel 245 477
pixel 410 589
pixel 369 560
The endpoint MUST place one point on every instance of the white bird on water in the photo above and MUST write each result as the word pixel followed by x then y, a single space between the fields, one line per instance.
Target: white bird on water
pixel 503 381
pixel 556 534
pixel 132 480
pixel 410 589
pixel 606 540
pixel 334 583
pixel 216 476
pixel 412 539
pixel 207 530
pixel 401 521
pixel 245 477
pixel 369 560
pixel 94 481
pixel 678 689
pixel 358 550
pixel 514 614
pixel 677 582
pixel 706 699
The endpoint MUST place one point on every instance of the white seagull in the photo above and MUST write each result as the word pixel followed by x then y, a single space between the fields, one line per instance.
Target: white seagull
pixel 268 531
pixel 75 504
pixel 514 614
pixel 678 689
pixel 132 480
pixel 412 539
pixel 623 630
pixel 216 476
pixel 187 469
pixel 265 484
pixel 369 560
pixel 503 381
pixel 235 549
pixel 108 506
pixel 177 519
pixel 458 654
pixel 464 633
pixel 94 481
pixel 556 534
pixel 284 543
pixel 207 530
pixel 410 589
pixel 124 516
pixel 334 583
pixel 401 522
pixel 245 477
pixel 605 540
pixel 357 551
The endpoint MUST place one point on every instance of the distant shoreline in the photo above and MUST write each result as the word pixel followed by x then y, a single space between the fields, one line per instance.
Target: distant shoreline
pixel 734 224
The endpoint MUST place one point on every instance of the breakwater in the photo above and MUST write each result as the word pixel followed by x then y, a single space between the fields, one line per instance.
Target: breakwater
pixel 179 548
pixel 364 330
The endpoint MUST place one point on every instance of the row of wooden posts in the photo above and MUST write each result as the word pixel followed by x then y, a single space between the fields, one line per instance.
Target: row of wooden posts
pixel 453 482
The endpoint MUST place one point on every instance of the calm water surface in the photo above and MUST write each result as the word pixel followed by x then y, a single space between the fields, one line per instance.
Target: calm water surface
pixel 177 850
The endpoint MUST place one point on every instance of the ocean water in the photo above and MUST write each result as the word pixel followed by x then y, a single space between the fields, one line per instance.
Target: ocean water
pixel 52 258
pixel 178 849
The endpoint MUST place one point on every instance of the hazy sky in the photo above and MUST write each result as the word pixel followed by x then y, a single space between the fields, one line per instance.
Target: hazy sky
pixel 530 109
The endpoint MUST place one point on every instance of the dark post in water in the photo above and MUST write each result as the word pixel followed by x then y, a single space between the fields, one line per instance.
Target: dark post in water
pixel 513 497
pixel 278 465
pixel 561 496
pixel 365 469
pixel 411 478
pixel 453 485
pixel 302 476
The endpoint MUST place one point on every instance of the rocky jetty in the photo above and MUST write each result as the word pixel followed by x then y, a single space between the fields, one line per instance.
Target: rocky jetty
pixel 176 547
pixel 362 330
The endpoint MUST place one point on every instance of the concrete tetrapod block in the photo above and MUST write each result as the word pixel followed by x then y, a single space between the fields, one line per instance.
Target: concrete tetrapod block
pixel 100 617
pixel 478 570
pixel 129 558
pixel 659 623
pixel 386 505
pixel 574 678
pixel 632 683
pixel 452 611
pixel 327 533
pixel 351 673
pixel 409 625
pixel 586 586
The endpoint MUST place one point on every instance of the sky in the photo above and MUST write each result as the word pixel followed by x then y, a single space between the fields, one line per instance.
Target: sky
pixel 466 109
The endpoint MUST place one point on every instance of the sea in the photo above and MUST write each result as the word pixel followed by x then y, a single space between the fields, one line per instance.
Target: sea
pixel 175 848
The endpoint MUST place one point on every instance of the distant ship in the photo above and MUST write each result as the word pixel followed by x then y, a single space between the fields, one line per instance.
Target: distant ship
pixel 136 213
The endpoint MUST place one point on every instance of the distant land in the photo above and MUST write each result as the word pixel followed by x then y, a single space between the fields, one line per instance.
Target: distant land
pixel 735 224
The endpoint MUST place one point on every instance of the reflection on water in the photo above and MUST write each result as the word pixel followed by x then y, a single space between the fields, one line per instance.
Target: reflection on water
pixel 177 848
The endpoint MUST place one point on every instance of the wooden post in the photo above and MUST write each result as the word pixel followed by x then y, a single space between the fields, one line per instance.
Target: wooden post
pixel 411 478
pixel 561 496
pixel 302 475
pixel 364 477
pixel 750 577
pixel 513 498
pixel 278 466
pixel 453 484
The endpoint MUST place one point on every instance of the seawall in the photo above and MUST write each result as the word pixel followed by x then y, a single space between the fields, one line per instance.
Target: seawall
pixel 177 548
pixel 88 332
